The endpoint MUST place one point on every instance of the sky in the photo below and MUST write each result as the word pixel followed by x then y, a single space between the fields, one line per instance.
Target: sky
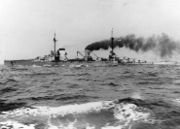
pixel 27 26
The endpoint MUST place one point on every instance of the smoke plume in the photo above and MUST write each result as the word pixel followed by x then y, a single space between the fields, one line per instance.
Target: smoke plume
pixel 162 45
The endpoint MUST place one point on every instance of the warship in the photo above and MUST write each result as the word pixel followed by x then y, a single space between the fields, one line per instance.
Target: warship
pixel 58 56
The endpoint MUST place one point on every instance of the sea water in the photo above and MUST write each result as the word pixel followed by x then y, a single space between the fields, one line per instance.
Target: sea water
pixel 90 96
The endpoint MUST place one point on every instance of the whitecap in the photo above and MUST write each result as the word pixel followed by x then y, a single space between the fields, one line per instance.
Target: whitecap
pixel 15 125
pixel 76 116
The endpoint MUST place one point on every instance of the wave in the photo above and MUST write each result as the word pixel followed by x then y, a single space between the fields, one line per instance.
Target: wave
pixel 50 73
pixel 177 101
pixel 15 125
pixel 150 82
pixel 62 97
pixel 36 66
pixel 113 84
pixel 83 74
pixel 8 80
pixel 118 114
pixel 7 89
pixel 77 66
pixel 41 74
pixel 10 106
pixel 79 97
pixel 19 69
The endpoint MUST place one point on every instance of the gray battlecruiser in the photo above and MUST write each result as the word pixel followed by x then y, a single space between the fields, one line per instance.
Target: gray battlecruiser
pixel 61 56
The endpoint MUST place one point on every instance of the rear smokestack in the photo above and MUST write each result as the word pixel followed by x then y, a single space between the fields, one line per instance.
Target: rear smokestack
pixel 112 41
pixel 87 55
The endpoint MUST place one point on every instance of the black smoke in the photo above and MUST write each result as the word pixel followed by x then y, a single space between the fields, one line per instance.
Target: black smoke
pixel 162 45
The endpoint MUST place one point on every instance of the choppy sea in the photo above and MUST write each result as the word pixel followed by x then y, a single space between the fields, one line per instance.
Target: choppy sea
pixel 90 96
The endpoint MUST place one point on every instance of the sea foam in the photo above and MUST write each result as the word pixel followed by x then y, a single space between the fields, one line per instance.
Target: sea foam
pixel 103 115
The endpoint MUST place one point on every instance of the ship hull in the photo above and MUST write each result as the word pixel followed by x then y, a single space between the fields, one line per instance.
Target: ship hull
pixel 18 62
pixel 30 62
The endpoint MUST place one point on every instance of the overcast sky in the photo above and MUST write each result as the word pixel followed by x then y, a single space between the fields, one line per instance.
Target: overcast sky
pixel 27 26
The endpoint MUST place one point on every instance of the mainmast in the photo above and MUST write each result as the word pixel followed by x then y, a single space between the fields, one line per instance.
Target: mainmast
pixel 112 41
pixel 54 40
pixel 112 54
